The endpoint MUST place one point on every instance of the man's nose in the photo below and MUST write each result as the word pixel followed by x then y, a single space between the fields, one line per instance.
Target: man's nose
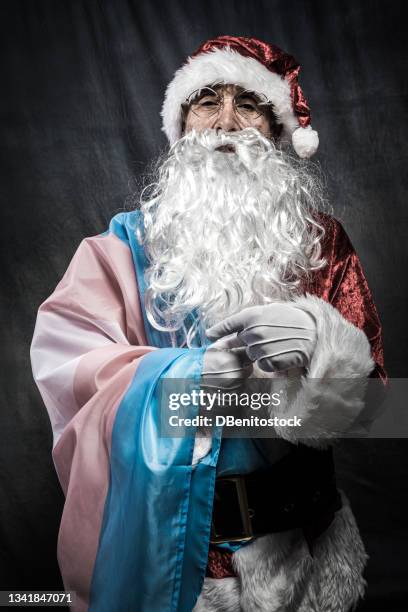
pixel 227 119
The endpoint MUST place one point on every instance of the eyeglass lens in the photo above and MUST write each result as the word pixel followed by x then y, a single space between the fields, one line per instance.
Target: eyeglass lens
pixel 207 102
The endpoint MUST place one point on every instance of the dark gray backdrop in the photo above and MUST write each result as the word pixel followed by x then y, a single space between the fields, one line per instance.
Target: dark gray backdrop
pixel 81 89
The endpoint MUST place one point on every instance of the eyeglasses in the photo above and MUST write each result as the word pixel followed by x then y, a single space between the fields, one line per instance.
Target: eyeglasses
pixel 207 102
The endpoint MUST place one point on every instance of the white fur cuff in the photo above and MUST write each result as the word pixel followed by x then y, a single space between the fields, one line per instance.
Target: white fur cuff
pixel 342 349
pixel 331 396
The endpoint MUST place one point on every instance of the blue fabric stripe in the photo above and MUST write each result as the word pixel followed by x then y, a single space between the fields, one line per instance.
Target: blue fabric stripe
pixel 125 226
pixel 117 226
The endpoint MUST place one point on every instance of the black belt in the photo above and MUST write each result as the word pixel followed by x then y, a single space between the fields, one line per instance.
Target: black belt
pixel 299 491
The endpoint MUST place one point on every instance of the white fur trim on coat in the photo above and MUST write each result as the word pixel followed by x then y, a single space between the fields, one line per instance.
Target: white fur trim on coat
pixel 229 67
pixel 330 397
pixel 276 572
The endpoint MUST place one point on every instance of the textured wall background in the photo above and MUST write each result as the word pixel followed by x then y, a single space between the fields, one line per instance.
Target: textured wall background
pixel 82 84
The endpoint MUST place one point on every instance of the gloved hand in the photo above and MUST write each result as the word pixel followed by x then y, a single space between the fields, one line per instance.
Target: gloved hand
pixel 226 363
pixel 277 336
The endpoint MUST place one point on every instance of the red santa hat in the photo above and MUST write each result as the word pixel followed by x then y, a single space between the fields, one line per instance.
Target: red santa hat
pixel 254 65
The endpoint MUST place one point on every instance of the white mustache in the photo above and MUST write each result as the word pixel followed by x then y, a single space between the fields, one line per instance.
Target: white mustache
pixel 212 140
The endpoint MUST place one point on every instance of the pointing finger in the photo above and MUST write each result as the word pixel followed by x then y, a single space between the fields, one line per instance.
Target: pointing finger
pixel 228 343
pixel 228 326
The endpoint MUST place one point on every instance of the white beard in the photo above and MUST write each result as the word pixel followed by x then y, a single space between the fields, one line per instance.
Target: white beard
pixel 227 230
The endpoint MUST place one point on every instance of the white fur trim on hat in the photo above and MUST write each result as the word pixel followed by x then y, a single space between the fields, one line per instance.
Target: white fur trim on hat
pixel 230 67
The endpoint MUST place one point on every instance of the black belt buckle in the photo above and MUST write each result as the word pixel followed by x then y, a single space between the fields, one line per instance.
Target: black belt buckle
pixel 239 501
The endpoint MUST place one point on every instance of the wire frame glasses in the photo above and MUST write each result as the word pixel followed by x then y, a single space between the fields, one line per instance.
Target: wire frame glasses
pixel 207 102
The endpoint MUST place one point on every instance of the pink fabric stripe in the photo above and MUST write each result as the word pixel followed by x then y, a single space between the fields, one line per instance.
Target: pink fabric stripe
pixel 95 305
pixel 99 367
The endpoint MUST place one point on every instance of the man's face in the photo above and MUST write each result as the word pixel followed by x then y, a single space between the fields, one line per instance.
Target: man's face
pixel 229 108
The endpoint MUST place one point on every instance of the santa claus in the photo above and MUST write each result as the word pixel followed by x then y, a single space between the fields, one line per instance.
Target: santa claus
pixel 230 268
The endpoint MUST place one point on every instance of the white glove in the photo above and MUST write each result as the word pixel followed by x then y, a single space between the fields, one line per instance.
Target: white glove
pixel 277 336
pixel 226 363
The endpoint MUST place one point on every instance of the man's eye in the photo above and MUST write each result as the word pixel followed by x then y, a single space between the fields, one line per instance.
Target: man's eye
pixel 208 102
pixel 247 105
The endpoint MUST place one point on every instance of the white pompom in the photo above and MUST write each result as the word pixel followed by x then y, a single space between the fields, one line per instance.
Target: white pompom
pixel 305 141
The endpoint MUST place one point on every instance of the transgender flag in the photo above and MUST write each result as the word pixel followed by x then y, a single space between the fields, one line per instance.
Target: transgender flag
pixel 135 527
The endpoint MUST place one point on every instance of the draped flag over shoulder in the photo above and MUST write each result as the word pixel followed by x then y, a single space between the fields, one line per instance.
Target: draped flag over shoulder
pixel 127 490
pixel 135 528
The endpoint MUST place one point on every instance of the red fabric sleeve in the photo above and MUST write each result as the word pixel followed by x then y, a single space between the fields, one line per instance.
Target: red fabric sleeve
pixel 342 283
